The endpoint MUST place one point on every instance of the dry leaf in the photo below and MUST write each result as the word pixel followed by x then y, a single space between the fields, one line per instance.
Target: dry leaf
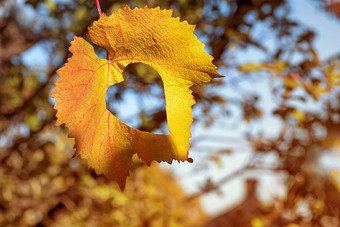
pixel 149 36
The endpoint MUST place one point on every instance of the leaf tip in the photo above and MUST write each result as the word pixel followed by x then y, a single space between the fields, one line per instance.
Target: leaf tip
pixel 121 186
pixel 217 75
pixel 126 8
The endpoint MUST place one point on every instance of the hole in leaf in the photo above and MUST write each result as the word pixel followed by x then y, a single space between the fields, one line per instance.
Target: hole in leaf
pixel 100 51
pixel 139 100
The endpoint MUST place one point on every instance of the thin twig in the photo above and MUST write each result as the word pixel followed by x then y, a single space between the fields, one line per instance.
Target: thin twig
pixel 98 7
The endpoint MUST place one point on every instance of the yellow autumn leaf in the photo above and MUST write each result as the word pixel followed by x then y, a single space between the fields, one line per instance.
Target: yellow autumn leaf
pixel 291 83
pixel 279 66
pixel 299 115
pixel 149 36
pixel 254 67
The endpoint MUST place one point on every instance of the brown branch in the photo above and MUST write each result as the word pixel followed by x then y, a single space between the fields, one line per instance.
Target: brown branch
pixel 212 187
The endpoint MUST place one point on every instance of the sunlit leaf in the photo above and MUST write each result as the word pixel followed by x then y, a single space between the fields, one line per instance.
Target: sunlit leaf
pixel 149 36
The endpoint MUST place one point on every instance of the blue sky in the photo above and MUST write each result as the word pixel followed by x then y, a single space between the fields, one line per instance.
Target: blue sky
pixel 326 25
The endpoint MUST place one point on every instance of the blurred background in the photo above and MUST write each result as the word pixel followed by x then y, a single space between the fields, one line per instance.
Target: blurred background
pixel 266 138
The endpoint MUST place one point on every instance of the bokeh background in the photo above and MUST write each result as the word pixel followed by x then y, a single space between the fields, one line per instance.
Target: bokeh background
pixel 266 138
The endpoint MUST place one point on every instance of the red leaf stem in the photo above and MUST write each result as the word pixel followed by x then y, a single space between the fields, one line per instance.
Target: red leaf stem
pixel 98 7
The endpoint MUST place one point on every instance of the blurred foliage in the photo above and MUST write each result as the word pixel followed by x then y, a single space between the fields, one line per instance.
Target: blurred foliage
pixel 41 185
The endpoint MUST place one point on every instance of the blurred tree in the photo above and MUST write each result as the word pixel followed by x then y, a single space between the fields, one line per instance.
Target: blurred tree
pixel 41 184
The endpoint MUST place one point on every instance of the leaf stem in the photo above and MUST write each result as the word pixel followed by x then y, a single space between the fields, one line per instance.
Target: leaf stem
pixel 98 7
pixel 100 13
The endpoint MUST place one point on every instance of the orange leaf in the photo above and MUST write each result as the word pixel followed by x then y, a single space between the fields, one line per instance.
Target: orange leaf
pixel 149 36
